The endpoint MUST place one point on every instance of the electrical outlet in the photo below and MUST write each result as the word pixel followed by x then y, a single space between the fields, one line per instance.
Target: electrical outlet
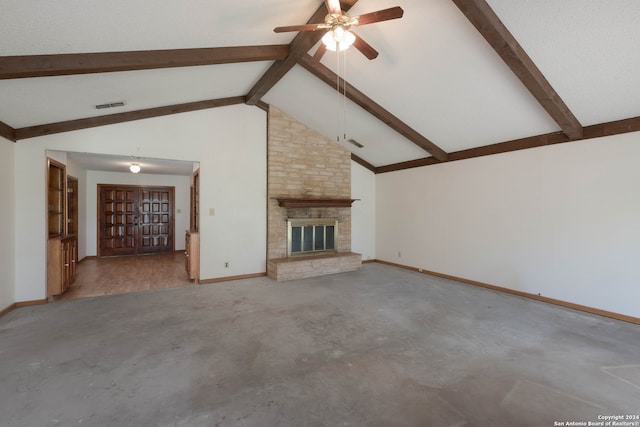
pixel 226 264
pixel 399 254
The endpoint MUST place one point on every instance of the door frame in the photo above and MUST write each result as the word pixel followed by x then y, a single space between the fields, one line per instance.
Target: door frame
pixel 99 211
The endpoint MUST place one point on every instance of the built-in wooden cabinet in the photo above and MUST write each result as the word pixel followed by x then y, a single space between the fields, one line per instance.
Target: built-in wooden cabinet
pixel 192 254
pixel 72 205
pixel 61 264
pixel 62 249
pixel 56 198
pixel 195 201
pixel 192 238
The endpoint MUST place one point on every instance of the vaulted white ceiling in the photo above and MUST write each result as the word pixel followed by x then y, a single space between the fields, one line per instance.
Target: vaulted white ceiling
pixel 435 72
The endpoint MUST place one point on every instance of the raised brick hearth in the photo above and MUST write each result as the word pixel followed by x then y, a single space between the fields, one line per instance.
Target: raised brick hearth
pixel 311 266
pixel 303 164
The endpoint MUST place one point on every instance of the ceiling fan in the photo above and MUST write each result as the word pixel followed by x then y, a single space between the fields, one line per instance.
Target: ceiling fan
pixel 338 25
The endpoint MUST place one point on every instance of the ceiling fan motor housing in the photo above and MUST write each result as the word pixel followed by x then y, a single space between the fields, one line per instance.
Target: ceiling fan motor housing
pixel 343 20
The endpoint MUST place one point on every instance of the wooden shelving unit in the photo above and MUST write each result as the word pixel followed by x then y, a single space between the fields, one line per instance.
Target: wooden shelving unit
pixel 56 195
pixel 192 237
pixel 62 248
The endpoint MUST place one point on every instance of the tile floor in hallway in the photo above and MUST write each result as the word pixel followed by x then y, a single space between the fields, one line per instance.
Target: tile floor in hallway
pixel 118 275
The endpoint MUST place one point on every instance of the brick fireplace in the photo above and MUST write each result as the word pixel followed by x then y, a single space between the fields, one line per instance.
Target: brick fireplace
pixel 309 176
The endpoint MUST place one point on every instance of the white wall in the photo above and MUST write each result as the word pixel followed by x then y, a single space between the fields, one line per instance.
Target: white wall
pixel 229 143
pixel 7 217
pixel 562 221
pixel 182 186
pixel 363 211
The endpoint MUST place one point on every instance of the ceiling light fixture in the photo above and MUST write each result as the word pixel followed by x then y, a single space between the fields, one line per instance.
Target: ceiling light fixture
pixel 338 38
pixel 134 167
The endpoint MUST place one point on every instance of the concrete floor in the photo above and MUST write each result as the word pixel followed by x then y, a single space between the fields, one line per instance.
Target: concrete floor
pixel 379 347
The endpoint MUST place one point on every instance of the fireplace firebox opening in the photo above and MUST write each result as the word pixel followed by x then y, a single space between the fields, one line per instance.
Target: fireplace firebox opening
pixel 308 236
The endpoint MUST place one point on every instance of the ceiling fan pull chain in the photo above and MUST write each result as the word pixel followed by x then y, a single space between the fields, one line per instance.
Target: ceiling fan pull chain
pixel 344 95
pixel 338 95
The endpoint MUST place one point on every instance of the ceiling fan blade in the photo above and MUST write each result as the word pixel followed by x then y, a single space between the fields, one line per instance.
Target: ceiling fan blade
pixel 379 15
pixel 365 48
pixel 305 27
pixel 322 49
pixel 333 6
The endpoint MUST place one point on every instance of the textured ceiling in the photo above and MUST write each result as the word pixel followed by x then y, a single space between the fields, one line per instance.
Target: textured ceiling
pixel 435 72
pixel 588 50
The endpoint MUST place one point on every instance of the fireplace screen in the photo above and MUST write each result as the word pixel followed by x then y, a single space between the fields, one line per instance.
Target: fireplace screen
pixel 306 236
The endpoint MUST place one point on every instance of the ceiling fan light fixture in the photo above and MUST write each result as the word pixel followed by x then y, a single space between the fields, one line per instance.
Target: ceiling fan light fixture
pixel 134 167
pixel 338 38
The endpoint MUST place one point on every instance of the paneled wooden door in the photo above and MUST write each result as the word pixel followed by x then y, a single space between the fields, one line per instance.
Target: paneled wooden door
pixel 135 220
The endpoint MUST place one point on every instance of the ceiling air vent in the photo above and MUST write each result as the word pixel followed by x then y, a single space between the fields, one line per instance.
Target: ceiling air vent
pixel 110 105
pixel 356 143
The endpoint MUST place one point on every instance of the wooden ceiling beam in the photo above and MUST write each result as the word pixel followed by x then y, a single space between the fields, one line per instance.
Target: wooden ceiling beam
pixel 417 163
pixel 615 127
pixel 514 145
pixel 363 163
pixel 299 47
pixel 7 132
pixel 110 119
pixel 594 131
pixel 263 106
pixel 17 67
pixel 480 14
pixel 373 108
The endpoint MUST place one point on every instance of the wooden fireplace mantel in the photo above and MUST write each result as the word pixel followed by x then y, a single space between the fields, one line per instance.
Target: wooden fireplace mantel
pixel 314 203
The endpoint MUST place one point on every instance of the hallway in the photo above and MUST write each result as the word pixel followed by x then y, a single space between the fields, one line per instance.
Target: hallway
pixel 120 275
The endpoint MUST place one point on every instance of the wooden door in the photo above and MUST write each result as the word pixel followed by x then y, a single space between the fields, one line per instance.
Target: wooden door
pixel 156 220
pixel 135 220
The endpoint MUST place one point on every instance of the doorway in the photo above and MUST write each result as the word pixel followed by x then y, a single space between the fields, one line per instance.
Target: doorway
pixel 134 220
